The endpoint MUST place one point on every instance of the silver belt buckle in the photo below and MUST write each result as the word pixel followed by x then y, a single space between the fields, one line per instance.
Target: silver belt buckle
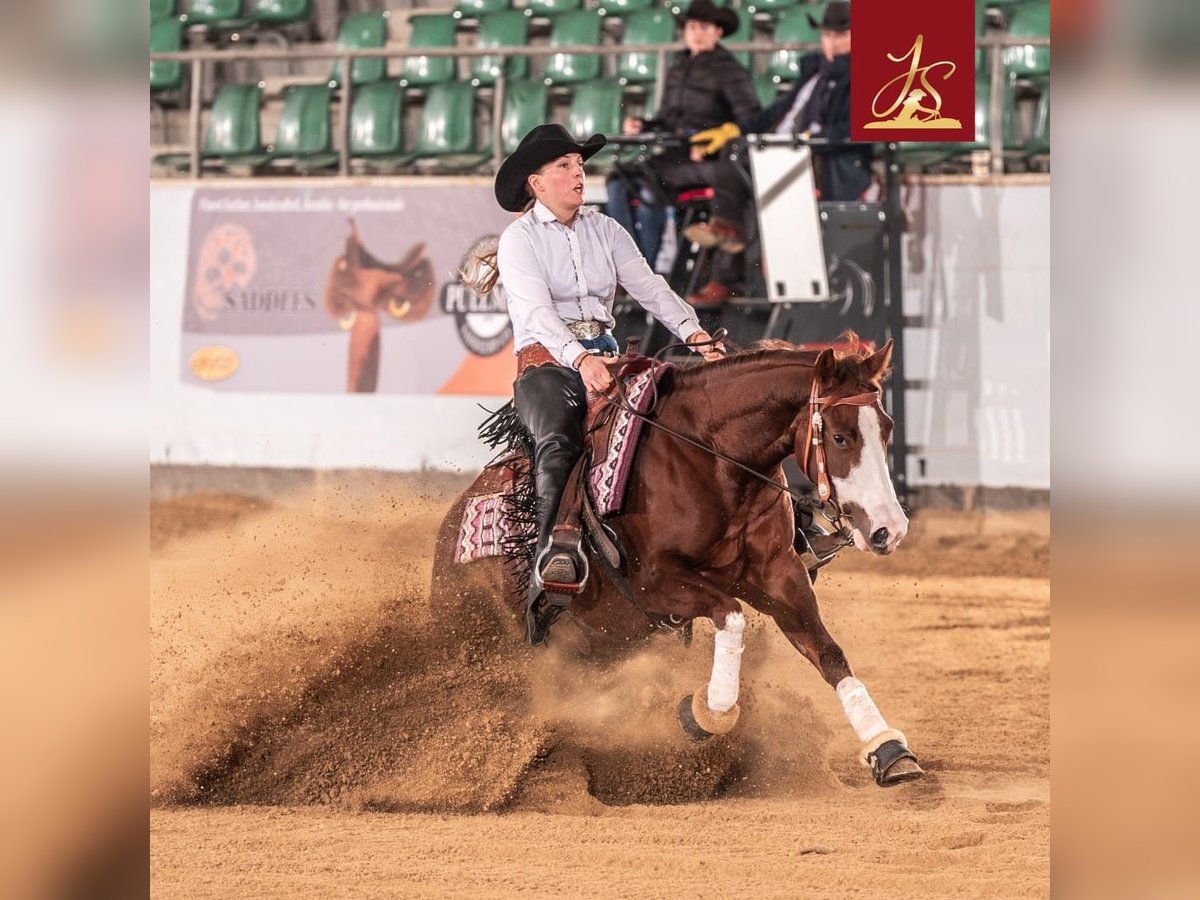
pixel 586 329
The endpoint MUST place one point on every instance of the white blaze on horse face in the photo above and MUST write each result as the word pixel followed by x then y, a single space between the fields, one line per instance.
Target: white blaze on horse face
pixel 869 486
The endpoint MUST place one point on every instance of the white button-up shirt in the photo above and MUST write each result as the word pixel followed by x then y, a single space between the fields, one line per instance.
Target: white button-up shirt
pixel 553 274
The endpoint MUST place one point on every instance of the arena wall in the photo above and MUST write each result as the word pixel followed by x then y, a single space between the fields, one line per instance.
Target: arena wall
pixel 977 295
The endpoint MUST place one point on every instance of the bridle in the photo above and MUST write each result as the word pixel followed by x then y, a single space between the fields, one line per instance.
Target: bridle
pixel 814 442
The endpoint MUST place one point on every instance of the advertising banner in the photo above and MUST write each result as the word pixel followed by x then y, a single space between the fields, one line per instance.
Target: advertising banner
pixel 343 289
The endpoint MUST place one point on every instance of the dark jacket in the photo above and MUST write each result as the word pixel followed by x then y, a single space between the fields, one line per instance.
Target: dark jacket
pixel 705 91
pixel 843 173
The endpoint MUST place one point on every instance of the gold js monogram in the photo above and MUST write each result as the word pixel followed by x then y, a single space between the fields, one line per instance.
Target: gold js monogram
pixel 908 110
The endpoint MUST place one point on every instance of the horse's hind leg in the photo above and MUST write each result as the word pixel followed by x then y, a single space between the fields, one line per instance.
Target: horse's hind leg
pixel 884 749
pixel 713 708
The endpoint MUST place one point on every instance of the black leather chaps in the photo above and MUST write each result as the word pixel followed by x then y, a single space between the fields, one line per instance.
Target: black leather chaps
pixel 552 404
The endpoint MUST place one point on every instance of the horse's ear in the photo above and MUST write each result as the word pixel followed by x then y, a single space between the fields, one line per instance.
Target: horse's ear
pixel 875 366
pixel 825 366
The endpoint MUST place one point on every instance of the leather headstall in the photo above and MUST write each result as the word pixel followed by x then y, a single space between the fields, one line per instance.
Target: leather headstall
pixel 814 441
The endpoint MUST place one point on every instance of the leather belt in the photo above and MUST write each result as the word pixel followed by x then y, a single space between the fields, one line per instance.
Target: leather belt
pixel 586 329
pixel 533 355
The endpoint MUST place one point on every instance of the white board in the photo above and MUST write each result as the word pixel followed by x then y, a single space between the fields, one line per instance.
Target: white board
pixel 792 249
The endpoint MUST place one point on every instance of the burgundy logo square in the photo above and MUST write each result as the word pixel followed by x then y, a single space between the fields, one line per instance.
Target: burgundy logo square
pixel 912 70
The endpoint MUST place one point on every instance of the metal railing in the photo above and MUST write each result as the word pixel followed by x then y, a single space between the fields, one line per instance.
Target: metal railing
pixel 196 60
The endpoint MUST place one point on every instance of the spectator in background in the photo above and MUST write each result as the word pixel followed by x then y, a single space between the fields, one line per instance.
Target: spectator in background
pixel 705 87
pixel 818 105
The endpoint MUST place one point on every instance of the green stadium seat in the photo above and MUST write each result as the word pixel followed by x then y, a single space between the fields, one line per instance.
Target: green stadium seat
pixel 792 27
pixel 1039 140
pixel 980 27
pixel 551 7
pixel 767 89
pixel 166 36
pixel 215 13
pixel 477 9
pixel 650 108
pixel 304 137
pixel 429 31
pixel 927 154
pixel 1026 60
pixel 161 9
pixel 646 26
pixel 622 8
pixel 525 104
pixel 360 32
pixel 233 134
pixel 741 35
pixel 508 28
pixel 776 8
pixel 447 129
pixel 377 122
pixel 678 7
pixel 596 107
pixel 579 27
pixel 279 12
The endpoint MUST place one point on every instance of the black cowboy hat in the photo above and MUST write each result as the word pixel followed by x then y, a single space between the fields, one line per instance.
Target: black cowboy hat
pixel 707 11
pixel 836 18
pixel 542 144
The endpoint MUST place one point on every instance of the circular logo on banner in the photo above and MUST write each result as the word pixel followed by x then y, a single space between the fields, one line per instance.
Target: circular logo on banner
pixel 213 363
pixel 482 320
pixel 227 260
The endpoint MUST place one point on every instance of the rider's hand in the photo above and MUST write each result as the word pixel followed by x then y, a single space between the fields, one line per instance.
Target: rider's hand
pixel 710 140
pixel 594 371
pixel 712 352
pixel 631 125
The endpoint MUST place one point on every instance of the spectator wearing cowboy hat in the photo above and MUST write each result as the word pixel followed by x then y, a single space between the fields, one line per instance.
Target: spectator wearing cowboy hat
pixel 818 104
pixel 705 87
pixel 560 264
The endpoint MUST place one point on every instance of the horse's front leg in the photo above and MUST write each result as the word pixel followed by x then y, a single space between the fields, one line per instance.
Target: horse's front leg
pixel 789 599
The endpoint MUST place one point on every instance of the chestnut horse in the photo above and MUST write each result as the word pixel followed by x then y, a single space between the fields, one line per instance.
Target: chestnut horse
pixel 707 521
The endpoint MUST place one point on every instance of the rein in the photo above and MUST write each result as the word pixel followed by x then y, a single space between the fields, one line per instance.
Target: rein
pixel 828 506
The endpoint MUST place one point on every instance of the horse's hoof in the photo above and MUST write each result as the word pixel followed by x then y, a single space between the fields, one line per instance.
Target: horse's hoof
pixel 707 720
pixel 690 726
pixel 892 763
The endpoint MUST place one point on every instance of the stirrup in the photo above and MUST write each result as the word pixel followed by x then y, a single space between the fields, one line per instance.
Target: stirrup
pixel 561 571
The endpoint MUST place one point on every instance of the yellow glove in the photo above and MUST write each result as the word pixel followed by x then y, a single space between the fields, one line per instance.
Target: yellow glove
pixel 710 140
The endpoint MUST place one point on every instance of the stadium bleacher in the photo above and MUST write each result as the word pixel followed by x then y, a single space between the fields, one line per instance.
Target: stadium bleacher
pixel 436 112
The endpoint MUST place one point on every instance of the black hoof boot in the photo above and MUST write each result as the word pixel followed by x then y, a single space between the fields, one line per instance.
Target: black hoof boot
pixel 690 726
pixel 892 763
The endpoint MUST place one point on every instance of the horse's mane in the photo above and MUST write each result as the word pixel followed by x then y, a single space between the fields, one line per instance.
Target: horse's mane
pixel 846 351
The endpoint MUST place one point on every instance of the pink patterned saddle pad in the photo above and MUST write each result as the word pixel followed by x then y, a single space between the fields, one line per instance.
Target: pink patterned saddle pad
pixel 485 522
pixel 608 479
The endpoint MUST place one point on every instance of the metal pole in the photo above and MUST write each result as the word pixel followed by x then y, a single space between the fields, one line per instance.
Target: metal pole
pixel 895 298
pixel 194 116
pixel 347 81
pixel 997 113
pixel 498 112
pixel 660 77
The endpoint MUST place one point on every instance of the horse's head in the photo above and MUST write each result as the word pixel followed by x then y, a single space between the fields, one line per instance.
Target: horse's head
pixel 850 440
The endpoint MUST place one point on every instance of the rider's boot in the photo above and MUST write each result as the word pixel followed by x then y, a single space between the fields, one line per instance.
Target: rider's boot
pixel 558 567
pixel 550 401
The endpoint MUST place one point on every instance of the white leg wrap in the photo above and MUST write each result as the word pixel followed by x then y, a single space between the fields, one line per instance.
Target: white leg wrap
pixel 860 709
pixel 727 664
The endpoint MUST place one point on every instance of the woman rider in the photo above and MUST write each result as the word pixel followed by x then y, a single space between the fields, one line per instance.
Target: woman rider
pixel 560 264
